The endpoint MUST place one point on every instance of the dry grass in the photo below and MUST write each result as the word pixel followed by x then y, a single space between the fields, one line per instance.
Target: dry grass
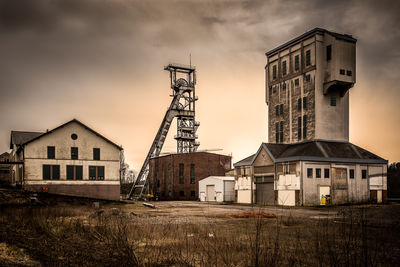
pixel 79 235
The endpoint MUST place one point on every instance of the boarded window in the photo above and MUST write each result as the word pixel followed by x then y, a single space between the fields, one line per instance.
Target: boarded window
pixel 299 127
pixel 351 174
pixel 364 174
pixel 305 126
pixel 96 153
pixel 318 172
pixel 51 172
pixel 326 173
pixel 192 177
pixel 308 57
pixel 51 152
pixel 296 63
pixel 309 173
pixel 74 153
pixel 284 70
pixel 74 172
pixel 264 169
pixel 181 170
pixel 329 52
pixel 274 72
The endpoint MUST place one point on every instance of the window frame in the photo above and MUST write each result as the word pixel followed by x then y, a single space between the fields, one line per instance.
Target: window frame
pixel 364 174
pixel 328 52
pixel 75 170
pixel 96 153
pixel 51 152
pixel 284 68
pixel 297 62
pixel 304 126
pixel 351 174
pixel 318 173
pixel 53 172
pixel 274 72
pixel 97 170
pixel 325 171
pixel 333 101
pixel 73 150
pixel 308 57
pixel 310 173
pixel 297 82
pixel 299 130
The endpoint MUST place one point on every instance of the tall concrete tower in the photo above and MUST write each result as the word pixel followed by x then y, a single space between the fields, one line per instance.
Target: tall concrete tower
pixel 307 84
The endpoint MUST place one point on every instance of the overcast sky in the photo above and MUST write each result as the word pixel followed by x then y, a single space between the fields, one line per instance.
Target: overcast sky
pixel 102 63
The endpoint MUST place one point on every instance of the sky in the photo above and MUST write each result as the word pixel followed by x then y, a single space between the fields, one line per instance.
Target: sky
pixel 102 62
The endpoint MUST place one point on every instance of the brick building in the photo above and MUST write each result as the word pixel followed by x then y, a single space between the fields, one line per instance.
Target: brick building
pixel 176 176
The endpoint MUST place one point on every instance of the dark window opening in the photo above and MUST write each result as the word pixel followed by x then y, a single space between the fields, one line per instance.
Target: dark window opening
pixel 305 102
pixel 296 62
pixel 326 173
pixel 308 78
pixel 318 173
pixel 348 73
pixel 299 128
pixel 51 172
pixel 284 86
pixel 277 110
pixel 281 132
pixel 74 153
pixel 296 82
pixel 309 173
pixel 96 172
pixel 308 57
pixel 274 72
pixel 281 109
pixel 192 176
pixel 351 174
pixel 364 174
pixel 74 172
pixel 51 152
pixel 181 170
pixel 333 101
pixel 96 153
pixel 74 136
pixel 305 126
pixel 284 71
pixel 277 132
pixel 158 183
pixel 341 71
pixel 182 193
pixel 329 52
pixel 192 193
pixel 299 104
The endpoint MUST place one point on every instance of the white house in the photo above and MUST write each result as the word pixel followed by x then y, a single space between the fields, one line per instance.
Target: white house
pixel 217 188
pixel 71 159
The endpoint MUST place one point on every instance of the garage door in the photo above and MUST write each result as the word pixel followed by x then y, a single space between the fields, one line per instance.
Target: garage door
pixel 265 193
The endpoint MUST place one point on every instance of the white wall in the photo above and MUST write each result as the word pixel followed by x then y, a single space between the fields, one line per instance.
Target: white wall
pixel 219 184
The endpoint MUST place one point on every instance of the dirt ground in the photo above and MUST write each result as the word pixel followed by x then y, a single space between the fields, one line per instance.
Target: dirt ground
pixel 30 222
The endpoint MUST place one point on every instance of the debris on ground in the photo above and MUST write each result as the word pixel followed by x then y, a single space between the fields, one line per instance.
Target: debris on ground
pixel 149 205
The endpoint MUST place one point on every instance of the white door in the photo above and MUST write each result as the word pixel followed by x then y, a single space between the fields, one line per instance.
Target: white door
pixel 210 193
pixel 379 196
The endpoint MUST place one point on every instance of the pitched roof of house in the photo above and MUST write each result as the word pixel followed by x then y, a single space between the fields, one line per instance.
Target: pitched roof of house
pixel 40 135
pixel 316 150
pixel 245 161
pixel 20 137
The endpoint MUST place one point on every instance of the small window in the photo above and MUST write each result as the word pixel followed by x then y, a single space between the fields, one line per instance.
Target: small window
pixel 318 172
pixel 299 128
pixel 329 52
pixel 296 82
pixel 284 86
pixel 284 71
pixel 333 101
pixel 277 110
pixel 308 57
pixel 274 72
pixel 341 71
pixel 96 172
pixel 281 132
pixel 74 136
pixel 74 172
pixel 299 104
pixel 305 102
pixel 296 63
pixel 192 176
pixel 192 193
pixel 326 173
pixel 181 172
pixel 348 73
pixel 74 153
pixel 51 172
pixel 364 174
pixel 351 174
pixel 308 78
pixel 309 173
pixel 277 132
pixel 305 126
pixel 51 152
pixel 96 153
pixel 281 109
pixel 182 193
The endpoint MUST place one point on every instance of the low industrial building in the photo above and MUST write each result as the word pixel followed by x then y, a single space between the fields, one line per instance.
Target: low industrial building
pixel 177 176
pixel 217 188
pixel 305 172
pixel 71 159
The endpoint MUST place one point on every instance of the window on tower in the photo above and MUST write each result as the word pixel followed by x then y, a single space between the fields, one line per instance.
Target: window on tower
pixel 277 110
pixel 305 126
pixel 299 104
pixel 308 57
pixel 329 52
pixel 305 102
pixel 281 109
pixel 281 132
pixel 297 63
pixel 333 100
pixel 277 132
pixel 296 82
pixel 284 70
pixel 299 128
pixel 274 72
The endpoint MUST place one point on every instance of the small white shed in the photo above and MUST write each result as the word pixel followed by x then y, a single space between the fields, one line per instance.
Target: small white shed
pixel 217 188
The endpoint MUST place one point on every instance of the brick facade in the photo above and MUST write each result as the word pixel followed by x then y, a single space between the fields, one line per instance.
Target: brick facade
pixel 164 173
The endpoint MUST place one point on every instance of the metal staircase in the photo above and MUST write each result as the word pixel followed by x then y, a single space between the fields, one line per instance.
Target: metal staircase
pixel 183 80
